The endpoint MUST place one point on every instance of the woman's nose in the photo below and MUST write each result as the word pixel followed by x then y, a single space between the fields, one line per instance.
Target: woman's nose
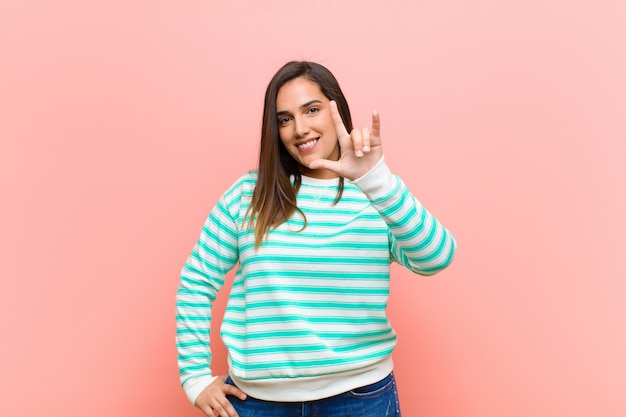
pixel 301 127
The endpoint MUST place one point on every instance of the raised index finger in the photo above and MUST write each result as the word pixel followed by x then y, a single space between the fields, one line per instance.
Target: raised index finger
pixel 340 128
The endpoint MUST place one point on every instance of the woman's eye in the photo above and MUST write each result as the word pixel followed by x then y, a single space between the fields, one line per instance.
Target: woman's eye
pixel 314 110
pixel 283 121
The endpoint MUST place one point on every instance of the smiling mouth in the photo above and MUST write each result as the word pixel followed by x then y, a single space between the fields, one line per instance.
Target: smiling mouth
pixel 309 144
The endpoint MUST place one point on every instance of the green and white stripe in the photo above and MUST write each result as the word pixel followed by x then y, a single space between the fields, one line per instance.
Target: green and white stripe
pixel 309 303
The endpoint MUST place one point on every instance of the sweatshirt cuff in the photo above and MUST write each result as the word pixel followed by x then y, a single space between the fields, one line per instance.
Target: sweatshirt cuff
pixel 194 387
pixel 378 182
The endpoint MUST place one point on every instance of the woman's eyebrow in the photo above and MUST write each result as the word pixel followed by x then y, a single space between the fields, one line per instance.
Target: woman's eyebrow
pixel 307 104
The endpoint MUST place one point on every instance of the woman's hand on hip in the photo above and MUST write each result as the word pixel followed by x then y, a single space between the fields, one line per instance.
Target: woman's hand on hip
pixel 213 402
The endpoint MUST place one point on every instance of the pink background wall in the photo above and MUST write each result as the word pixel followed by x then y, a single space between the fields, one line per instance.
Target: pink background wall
pixel 121 122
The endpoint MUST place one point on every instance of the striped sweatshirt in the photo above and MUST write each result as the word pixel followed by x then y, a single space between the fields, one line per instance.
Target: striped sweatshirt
pixel 305 318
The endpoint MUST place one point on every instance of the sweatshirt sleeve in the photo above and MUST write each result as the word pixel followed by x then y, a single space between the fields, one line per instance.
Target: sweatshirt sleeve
pixel 202 276
pixel 417 239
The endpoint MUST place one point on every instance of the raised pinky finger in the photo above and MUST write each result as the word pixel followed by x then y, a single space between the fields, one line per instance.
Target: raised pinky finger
pixel 375 123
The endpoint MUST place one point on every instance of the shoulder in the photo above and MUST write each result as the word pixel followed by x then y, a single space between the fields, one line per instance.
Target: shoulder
pixel 243 186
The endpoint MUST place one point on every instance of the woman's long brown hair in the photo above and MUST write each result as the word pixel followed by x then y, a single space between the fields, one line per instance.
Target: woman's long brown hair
pixel 274 198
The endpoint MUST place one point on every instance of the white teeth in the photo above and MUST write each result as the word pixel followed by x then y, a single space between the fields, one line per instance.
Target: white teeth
pixel 307 145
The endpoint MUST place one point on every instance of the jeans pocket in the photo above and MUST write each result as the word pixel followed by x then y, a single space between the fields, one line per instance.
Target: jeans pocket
pixel 374 389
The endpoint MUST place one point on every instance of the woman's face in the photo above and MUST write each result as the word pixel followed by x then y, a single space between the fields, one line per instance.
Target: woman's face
pixel 305 125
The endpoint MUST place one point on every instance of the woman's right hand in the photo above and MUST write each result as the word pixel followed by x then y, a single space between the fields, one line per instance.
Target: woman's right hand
pixel 212 401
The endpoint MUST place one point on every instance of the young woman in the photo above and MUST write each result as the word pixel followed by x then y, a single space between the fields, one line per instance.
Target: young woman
pixel 312 232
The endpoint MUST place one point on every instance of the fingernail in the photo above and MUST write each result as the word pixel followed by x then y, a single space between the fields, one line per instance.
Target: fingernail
pixel 366 148
pixel 359 153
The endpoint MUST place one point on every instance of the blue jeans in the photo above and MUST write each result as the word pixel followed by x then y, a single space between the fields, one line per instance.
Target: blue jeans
pixel 376 400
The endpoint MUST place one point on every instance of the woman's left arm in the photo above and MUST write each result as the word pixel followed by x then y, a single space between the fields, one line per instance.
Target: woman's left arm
pixel 417 239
